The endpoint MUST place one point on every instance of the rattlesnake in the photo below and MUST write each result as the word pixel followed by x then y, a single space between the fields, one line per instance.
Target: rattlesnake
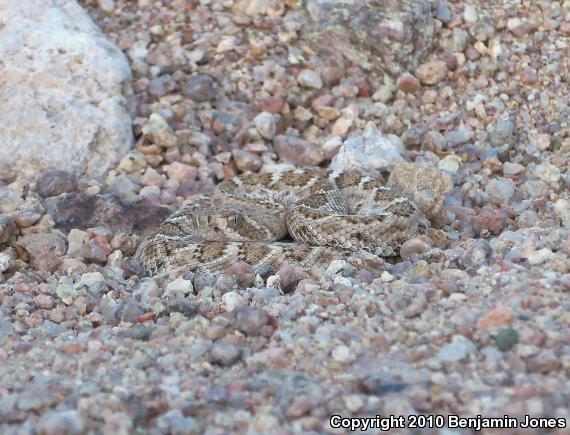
pixel 328 216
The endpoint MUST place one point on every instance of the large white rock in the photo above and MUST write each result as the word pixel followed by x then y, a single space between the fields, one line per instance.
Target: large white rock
pixel 369 152
pixel 64 91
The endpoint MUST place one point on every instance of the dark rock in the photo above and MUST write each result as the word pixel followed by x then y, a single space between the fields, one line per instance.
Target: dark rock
pixel 506 338
pixel 147 216
pixel 8 228
pixel 250 320
pixel 288 277
pixel 53 183
pixel 80 211
pixel 187 308
pixel 74 210
pixel 139 332
pixel 380 384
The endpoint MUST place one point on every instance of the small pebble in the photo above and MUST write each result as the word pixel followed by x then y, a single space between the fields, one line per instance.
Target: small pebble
pixel 310 79
pixel 506 339
pixel 342 354
pixel 501 189
pixel 408 83
pixel 225 354
pixel 432 72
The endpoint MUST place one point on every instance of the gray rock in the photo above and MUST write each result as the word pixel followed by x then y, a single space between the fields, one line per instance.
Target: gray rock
pixel 250 320
pixel 50 329
pixel 139 332
pixel 61 422
pixel 265 125
pixel 501 132
pixel 58 71
pixel 460 135
pixel 512 168
pixel 501 189
pixel 225 354
pixel 459 348
pixel 6 330
pixel 310 79
pixel 131 310
pixel 200 88
pixel 443 13
pixel 478 254
pixel 174 422
pixel 265 295
pixel 482 30
pixel 124 188
pixel 35 400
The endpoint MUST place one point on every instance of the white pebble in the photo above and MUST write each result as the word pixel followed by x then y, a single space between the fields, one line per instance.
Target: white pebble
pixel 512 168
pixel 547 172
pixel 354 403
pixel 561 206
pixel 341 354
pixel 90 278
pixel 310 79
pixel 336 266
pixel 450 164
pixel 107 5
pixel 180 285
pixel 6 262
pixel 232 300
pixel 341 280
pixel 470 14
pixel 502 189
pixel 75 240
pixel 265 125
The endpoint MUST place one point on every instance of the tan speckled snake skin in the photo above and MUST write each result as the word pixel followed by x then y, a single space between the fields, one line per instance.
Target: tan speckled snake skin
pixel 328 216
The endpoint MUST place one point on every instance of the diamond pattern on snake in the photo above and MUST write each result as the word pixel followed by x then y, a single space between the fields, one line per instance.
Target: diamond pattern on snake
pixel 326 216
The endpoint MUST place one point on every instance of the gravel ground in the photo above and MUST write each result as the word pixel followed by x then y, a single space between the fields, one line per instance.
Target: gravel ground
pixel 478 324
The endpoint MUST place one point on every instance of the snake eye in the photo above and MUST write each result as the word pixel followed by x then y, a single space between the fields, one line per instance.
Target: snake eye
pixel 234 220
